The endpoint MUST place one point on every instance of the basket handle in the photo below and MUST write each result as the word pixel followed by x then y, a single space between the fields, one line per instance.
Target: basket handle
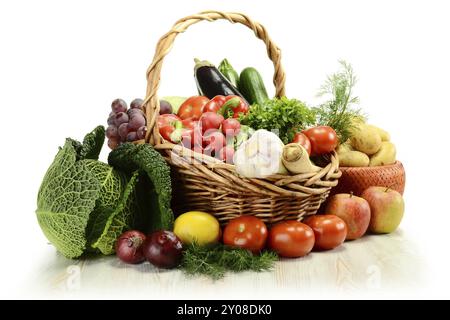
pixel 151 102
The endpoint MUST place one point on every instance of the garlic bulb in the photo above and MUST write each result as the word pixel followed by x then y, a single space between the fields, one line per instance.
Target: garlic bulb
pixel 260 156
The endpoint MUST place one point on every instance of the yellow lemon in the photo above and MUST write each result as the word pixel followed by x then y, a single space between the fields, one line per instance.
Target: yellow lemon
pixel 197 226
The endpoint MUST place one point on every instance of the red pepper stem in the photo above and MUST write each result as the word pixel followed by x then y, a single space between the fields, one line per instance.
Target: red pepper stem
pixel 175 136
pixel 229 105
pixel 178 125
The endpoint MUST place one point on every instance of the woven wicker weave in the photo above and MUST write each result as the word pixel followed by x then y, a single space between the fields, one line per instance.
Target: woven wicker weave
pixel 205 183
pixel 356 180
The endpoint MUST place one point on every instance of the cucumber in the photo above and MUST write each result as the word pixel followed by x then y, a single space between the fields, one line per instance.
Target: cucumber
pixel 251 85
pixel 228 71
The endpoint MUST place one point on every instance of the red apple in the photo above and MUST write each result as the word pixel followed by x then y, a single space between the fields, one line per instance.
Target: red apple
pixel 387 207
pixel 355 211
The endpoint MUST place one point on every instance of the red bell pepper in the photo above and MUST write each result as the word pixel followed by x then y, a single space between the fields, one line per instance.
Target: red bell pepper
pixel 214 104
pixel 167 119
pixel 227 106
pixel 172 132
pixel 233 107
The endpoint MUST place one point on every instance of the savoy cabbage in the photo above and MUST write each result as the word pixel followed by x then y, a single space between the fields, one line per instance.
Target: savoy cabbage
pixel 84 204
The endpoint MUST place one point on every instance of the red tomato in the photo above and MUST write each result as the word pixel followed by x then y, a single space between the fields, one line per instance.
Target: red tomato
pixel 214 104
pixel 167 119
pixel 291 239
pixel 192 107
pixel 303 140
pixel 246 232
pixel 230 127
pixel 211 120
pixel 226 154
pixel 330 231
pixel 323 139
pixel 213 141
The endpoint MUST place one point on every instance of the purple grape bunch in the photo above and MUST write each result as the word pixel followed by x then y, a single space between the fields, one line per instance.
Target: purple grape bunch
pixel 126 125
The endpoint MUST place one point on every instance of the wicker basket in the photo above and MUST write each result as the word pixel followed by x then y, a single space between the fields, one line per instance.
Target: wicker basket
pixel 205 183
pixel 357 180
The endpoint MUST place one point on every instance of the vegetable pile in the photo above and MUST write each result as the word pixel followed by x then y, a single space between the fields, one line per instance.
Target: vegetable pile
pixel 124 206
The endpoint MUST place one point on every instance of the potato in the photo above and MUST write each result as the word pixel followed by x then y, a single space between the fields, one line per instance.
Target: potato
pixel 383 134
pixel 343 148
pixel 365 139
pixel 353 159
pixel 384 156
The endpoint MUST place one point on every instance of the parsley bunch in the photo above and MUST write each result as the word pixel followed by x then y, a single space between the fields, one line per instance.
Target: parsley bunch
pixel 287 116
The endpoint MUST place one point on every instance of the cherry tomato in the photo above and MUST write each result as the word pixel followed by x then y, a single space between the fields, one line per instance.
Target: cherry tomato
pixel 192 107
pixel 211 120
pixel 213 141
pixel 303 140
pixel 323 139
pixel 330 231
pixel 214 104
pixel 226 154
pixel 291 239
pixel 230 127
pixel 246 232
pixel 167 119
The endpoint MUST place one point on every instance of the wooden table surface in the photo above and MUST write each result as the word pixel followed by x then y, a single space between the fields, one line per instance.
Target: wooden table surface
pixel 387 265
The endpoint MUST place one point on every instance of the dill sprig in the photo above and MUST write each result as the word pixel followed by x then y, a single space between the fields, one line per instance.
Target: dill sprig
pixel 214 261
pixel 337 112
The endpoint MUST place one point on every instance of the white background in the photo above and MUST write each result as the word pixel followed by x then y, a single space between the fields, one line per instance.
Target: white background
pixel 63 62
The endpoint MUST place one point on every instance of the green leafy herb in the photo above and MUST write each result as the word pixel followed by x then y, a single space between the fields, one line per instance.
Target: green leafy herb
pixel 82 201
pixel 288 116
pixel 129 158
pixel 216 260
pixel 337 112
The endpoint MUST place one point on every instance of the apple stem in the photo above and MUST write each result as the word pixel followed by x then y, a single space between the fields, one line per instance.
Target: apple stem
pixel 351 194
pixel 389 187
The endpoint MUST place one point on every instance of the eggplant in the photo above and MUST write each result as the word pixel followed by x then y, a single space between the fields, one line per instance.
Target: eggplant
pixel 210 82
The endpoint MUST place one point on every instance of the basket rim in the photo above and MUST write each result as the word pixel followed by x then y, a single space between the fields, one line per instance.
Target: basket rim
pixel 397 163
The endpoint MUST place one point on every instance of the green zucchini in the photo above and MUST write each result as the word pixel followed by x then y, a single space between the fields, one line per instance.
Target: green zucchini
pixel 251 85
pixel 228 71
